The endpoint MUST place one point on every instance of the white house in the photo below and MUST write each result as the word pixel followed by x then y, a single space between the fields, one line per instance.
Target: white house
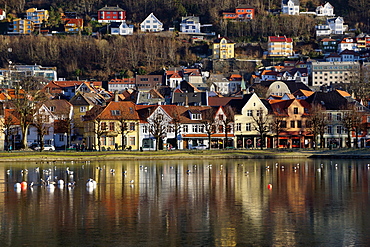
pixel 290 7
pixel 347 44
pixel 325 10
pixel 190 24
pixel 151 24
pixel 333 26
pixel 121 28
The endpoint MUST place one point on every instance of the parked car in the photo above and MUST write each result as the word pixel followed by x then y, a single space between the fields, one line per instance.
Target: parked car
pixel 200 147
pixel 47 147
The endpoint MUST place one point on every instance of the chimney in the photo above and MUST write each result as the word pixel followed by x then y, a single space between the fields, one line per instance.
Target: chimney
pixel 116 96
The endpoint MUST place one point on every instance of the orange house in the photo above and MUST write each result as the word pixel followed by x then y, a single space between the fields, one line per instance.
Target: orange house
pixel 242 12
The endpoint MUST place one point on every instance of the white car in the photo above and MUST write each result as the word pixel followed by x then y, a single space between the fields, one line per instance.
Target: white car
pixel 47 147
pixel 200 147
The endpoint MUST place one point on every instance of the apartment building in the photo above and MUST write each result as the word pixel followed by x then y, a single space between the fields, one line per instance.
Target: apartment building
pixel 328 73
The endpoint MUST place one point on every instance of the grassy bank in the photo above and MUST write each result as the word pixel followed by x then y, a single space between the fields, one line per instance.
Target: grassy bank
pixel 25 156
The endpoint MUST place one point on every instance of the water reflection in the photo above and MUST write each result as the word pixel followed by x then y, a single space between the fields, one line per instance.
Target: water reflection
pixel 187 203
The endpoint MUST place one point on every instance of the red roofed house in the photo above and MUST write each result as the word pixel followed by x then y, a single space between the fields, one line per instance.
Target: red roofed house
pixel 73 25
pixel 280 46
pixel 242 12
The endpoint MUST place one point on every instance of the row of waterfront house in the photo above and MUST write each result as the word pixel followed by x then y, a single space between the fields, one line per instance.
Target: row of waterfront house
pixel 96 119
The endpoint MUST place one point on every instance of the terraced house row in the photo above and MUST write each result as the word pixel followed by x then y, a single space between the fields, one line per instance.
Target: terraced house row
pixel 95 119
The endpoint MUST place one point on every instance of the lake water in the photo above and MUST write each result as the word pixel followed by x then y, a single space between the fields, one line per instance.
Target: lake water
pixel 188 203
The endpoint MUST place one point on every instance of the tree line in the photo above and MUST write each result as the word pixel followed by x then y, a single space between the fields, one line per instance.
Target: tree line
pixel 100 58
pixel 355 12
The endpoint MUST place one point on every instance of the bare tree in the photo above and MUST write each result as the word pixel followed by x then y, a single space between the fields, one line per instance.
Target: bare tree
pixel 28 97
pixel 261 125
pixel 277 127
pixel 8 123
pixel 99 130
pixel 209 123
pixel 351 120
pixel 41 123
pixel 158 128
pixel 226 121
pixel 317 122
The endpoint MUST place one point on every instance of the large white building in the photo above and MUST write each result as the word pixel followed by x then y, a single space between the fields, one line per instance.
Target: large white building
pixel 151 24
pixel 329 73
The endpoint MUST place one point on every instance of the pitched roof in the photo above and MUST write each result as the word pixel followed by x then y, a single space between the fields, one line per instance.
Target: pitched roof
pixel 111 8
pixel 332 100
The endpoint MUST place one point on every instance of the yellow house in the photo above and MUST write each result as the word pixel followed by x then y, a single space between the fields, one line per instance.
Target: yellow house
pixel 116 126
pixel 37 15
pixel 223 48
pixel 21 26
pixel 280 46
pixel 82 102
pixel 248 111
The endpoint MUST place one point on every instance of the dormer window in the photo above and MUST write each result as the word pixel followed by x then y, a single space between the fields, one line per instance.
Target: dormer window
pixel 116 112
pixel 52 108
pixel 196 116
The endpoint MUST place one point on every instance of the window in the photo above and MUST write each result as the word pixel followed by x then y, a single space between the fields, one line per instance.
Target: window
pixel 238 127
pixel 111 126
pixel 201 129
pixel 61 138
pixel 185 128
pixel 220 129
pixel 116 112
pixel 330 116
pixel 145 129
pixel 249 113
pixel 83 108
pixel 248 127
pixel 329 129
pixel 195 128
pixel 132 126
pixel 221 117
pixel 111 141
pixel 259 113
pixel 132 141
pixel 339 116
pixel 339 129
pixel 283 124
pixel 103 126
pixel 292 124
pixel 299 124
pixel 103 140
pixel 295 110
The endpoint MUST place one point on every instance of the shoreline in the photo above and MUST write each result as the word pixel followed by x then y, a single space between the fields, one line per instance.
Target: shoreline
pixel 31 156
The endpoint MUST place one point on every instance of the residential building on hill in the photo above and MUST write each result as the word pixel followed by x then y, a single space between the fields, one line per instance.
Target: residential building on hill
pixel 290 7
pixel 280 46
pixel 109 14
pixel 333 26
pixel 37 16
pixel 242 12
pixel 190 24
pixel 151 24
pixel 121 28
pixel 21 26
pixel 223 48
pixel 325 10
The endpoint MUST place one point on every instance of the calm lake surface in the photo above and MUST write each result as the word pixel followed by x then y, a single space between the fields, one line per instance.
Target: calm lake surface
pixel 187 203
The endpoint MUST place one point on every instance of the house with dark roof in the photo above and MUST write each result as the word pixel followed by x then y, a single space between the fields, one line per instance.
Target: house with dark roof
pixel 109 14
pixel 290 7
